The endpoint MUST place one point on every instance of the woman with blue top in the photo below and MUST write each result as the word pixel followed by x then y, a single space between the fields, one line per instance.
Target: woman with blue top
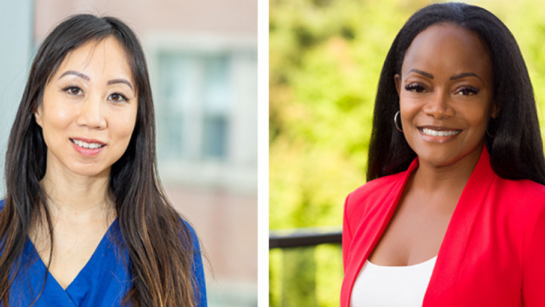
pixel 85 221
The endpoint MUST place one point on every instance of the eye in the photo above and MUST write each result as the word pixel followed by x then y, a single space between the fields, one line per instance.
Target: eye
pixel 117 97
pixel 415 88
pixel 467 91
pixel 73 90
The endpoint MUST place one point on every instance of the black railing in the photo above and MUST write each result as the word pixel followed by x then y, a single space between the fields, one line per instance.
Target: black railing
pixel 304 237
pixel 300 259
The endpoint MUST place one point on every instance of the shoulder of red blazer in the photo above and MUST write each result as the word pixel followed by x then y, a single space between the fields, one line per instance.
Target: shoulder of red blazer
pixel 519 196
pixel 368 195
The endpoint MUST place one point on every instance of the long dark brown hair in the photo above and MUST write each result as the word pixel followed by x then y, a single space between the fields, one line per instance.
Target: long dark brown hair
pixel 513 138
pixel 158 243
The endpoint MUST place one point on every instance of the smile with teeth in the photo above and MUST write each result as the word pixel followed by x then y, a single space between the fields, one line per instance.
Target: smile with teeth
pixel 87 145
pixel 432 132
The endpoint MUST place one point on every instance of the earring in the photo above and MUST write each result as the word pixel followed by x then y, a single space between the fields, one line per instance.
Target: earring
pixel 395 122
pixel 488 133
pixel 490 123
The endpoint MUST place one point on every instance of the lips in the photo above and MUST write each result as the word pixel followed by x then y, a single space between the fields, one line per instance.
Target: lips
pixel 438 133
pixel 87 147
pixel 88 143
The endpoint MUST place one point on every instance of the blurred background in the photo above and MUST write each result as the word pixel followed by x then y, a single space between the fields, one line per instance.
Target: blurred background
pixel 324 65
pixel 202 57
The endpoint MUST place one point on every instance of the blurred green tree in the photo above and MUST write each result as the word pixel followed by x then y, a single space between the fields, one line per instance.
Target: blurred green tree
pixel 325 59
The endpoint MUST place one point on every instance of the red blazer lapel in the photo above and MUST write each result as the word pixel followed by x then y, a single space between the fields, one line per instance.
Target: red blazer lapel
pixel 377 222
pixel 454 245
pixel 460 228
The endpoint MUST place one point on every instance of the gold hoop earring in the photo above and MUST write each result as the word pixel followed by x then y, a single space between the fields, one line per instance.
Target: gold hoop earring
pixel 395 122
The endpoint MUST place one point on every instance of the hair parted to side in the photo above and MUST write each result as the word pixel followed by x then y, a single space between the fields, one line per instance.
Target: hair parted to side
pixel 158 242
pixel 516 150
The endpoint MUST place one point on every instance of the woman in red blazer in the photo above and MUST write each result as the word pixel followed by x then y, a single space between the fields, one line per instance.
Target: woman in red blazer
pixel 456 167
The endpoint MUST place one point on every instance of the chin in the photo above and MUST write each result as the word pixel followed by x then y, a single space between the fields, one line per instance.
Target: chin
pixel 90 170
pixel 434 159
pixel 446 157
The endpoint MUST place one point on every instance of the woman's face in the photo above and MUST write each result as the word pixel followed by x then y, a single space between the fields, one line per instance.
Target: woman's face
pixel 445 92
pixel 88 112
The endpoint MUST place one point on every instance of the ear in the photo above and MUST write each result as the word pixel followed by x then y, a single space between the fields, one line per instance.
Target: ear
pixel 38 115
pixel 397 79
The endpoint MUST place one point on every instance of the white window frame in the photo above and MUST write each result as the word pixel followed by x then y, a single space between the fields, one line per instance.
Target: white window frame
pixel 238 171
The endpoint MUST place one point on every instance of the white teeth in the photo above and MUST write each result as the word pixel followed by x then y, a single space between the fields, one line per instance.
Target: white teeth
pixel 86 145
pixel 440 133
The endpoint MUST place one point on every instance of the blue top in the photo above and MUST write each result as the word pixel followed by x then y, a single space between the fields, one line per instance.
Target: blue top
pixel 103 281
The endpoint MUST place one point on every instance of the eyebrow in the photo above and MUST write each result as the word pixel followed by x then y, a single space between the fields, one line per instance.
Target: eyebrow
pixel 75 73
pixel 455 77
pixel 464 74
pixel 418 71
pixel 114 81
pixel 85 77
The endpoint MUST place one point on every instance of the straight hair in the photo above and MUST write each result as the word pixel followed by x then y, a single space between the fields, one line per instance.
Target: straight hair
pixel 157 240
pixel 513 139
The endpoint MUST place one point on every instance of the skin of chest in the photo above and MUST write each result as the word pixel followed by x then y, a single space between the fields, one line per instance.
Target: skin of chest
pixel 75 243
pixel 417 228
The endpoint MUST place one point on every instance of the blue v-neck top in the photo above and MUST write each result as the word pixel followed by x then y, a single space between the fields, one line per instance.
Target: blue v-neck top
pixel 103 281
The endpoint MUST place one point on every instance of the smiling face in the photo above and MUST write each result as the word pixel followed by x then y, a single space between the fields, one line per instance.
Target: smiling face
pixel 89 108
pixel 445 92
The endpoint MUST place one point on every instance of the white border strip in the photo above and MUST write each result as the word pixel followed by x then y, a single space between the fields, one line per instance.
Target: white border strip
pixel 263 153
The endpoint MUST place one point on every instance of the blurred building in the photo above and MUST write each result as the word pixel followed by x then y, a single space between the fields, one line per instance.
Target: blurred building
pixel 202 57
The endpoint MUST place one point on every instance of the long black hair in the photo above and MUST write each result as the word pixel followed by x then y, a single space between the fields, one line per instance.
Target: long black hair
pixel 158 243
pixel 514 138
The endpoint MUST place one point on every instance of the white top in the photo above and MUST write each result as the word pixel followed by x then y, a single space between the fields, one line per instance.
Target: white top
pixel 392 286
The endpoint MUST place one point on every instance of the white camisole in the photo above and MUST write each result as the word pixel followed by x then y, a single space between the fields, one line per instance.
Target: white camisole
pixel 392 286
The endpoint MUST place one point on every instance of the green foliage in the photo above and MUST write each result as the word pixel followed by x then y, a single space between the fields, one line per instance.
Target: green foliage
pixel 325 61
pixel 299 285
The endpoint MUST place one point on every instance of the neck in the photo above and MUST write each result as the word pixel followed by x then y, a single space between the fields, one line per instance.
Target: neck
pixel 445 180
pixel 77 198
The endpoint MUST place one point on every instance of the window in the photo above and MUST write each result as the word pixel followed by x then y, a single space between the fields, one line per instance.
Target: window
pixel 197 100
pixel 206 111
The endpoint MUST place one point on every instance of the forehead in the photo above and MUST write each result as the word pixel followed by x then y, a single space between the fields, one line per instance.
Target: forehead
pixel 105 58
pixel 446 48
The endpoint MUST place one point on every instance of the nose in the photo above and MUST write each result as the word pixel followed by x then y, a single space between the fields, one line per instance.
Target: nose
pixel 91 113
pixel 438 105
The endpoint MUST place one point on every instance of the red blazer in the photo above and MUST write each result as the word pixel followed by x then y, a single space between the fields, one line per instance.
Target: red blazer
pixel 493 253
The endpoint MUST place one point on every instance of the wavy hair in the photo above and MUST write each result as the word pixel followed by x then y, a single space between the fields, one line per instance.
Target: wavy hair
pixel 158 243
pixel 516 149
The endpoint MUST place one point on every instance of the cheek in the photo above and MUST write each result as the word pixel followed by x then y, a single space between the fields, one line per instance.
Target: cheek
pixel 56 117
pixel 60 116
pixel 409 109
pixel 477 117
pixel 123 126
pixel 408 101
